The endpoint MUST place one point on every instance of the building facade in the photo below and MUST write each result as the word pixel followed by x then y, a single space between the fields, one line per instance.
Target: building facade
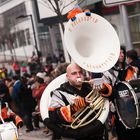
pixel 17 41
pixel 21 33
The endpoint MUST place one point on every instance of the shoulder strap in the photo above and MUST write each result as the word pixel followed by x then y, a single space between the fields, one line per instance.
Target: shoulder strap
pixel 64 98
pixel 113 75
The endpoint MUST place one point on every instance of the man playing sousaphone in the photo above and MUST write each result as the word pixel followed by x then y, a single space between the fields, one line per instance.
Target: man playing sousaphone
pixel 71 97
pixel 76 110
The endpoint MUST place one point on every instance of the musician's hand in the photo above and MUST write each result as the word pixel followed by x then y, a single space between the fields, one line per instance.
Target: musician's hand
pixel 91 82
pixel 76 100
pixel 97 83
pixel 88 100
pixel 106 90
pixel 79 102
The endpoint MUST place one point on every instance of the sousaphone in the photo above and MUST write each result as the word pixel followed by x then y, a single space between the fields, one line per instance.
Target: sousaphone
pixel 94 45
pixel 92 42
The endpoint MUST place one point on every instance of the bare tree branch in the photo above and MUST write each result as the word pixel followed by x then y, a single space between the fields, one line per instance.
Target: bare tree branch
pixel 67 5
pixel 47 4
pixel 53 5
pixel 57 6
pixel 61 3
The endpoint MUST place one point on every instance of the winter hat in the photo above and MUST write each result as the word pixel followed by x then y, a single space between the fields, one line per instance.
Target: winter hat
pixel 40 77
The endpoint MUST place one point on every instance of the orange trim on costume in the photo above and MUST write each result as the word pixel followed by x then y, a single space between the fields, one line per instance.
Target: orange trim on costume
pixel 74 12
pixel 4 113
pixel 15 138
pixel 51 108
pixel 81 102
pixel 113 119
pixel 109 90
pixel 18 120
pixel 66 113
pixel 130 74
pixel 75 108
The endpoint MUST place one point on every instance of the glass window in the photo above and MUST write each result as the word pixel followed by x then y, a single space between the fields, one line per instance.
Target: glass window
pixel 133 11
pixel 14 39
pixel 28 38
pixel 2 1
pixel 135 28
pixel 12 14
pixel 21 38
pixel 133 8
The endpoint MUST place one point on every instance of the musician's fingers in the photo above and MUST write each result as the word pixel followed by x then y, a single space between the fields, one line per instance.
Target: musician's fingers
pixel 91 82
pixel 97 87
pixel 88 100
pixel 76 100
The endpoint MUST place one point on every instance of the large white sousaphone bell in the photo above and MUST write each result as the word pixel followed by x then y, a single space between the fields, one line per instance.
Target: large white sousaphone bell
pixel 92 42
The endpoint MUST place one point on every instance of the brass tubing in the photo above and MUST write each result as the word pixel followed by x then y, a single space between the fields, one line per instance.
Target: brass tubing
pixel 96 105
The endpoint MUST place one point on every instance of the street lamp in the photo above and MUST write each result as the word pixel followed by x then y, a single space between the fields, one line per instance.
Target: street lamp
pixel 34 33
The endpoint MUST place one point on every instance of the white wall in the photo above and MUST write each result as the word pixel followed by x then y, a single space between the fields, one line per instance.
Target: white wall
pixel 10 4
pixel 22 25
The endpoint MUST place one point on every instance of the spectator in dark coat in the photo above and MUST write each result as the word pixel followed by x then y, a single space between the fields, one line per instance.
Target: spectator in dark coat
pixel 28 103
pixel 16 93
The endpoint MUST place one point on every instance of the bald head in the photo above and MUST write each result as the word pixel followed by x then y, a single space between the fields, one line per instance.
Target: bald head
pixel 74 72
pixel 71 67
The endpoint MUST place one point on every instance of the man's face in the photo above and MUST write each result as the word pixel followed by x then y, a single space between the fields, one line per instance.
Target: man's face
pixel 74 73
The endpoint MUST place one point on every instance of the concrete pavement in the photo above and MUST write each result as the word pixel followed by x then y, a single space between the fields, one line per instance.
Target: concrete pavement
pixel 32 135
pixel 40 135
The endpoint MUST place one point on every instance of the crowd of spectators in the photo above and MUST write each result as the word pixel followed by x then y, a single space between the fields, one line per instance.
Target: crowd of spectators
pixel 26 82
